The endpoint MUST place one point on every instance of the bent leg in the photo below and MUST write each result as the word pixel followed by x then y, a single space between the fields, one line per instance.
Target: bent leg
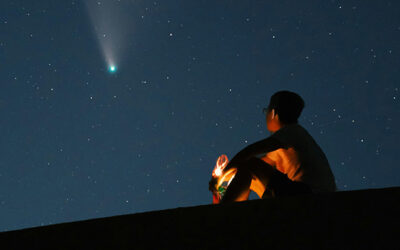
pixel 274 182
pixel 257 175
pixel 239 188
pixel 264 177
pixel 254 174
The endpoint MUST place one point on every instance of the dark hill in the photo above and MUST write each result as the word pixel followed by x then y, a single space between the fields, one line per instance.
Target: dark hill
pixel 365 219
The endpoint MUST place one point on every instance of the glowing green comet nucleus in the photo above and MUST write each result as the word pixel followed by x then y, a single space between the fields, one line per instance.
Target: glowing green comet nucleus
pixel 112 69
pixel 112 23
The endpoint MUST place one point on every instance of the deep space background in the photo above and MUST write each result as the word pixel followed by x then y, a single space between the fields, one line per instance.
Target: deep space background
pixel 79 142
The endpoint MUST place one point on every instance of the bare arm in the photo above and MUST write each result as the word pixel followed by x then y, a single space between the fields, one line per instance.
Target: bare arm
pixel 261 147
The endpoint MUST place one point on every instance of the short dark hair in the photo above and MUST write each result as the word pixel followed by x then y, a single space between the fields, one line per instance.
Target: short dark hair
pixel 288 105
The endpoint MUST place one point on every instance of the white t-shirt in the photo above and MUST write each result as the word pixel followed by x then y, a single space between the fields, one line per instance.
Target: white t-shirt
pixel 301 159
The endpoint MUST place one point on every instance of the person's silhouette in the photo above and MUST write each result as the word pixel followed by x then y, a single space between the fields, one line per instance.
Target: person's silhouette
pixel 288 162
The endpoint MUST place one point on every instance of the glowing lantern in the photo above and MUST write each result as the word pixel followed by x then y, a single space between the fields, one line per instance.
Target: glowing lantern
pixel 222 180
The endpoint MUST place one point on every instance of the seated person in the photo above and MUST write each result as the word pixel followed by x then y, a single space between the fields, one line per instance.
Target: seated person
pixel 288 162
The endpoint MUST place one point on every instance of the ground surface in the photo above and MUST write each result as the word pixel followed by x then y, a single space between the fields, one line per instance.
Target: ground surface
pixel 365 219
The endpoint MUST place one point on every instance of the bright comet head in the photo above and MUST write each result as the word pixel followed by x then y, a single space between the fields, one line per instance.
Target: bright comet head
pixel 112 68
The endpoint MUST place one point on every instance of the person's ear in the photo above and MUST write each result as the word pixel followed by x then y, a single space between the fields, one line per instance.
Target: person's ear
pixel 273 113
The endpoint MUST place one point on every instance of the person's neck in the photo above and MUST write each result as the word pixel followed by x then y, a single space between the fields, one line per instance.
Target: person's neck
pixel 282 125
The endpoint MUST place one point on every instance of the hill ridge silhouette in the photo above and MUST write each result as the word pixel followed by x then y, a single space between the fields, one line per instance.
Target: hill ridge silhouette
pixel 361 219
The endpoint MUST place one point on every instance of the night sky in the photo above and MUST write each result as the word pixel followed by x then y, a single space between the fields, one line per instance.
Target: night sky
pixel 80 142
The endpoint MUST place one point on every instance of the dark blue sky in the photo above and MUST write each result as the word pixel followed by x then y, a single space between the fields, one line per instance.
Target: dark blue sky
pixel 78 142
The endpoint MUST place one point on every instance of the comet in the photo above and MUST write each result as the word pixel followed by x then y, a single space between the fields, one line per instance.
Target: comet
pixel 112 25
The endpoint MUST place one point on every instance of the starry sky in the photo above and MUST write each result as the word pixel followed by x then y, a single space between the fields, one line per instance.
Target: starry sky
pixel 79 142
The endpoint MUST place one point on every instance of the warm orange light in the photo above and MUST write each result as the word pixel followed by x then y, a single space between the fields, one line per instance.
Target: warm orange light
pixel 222 178
pixel 221 163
